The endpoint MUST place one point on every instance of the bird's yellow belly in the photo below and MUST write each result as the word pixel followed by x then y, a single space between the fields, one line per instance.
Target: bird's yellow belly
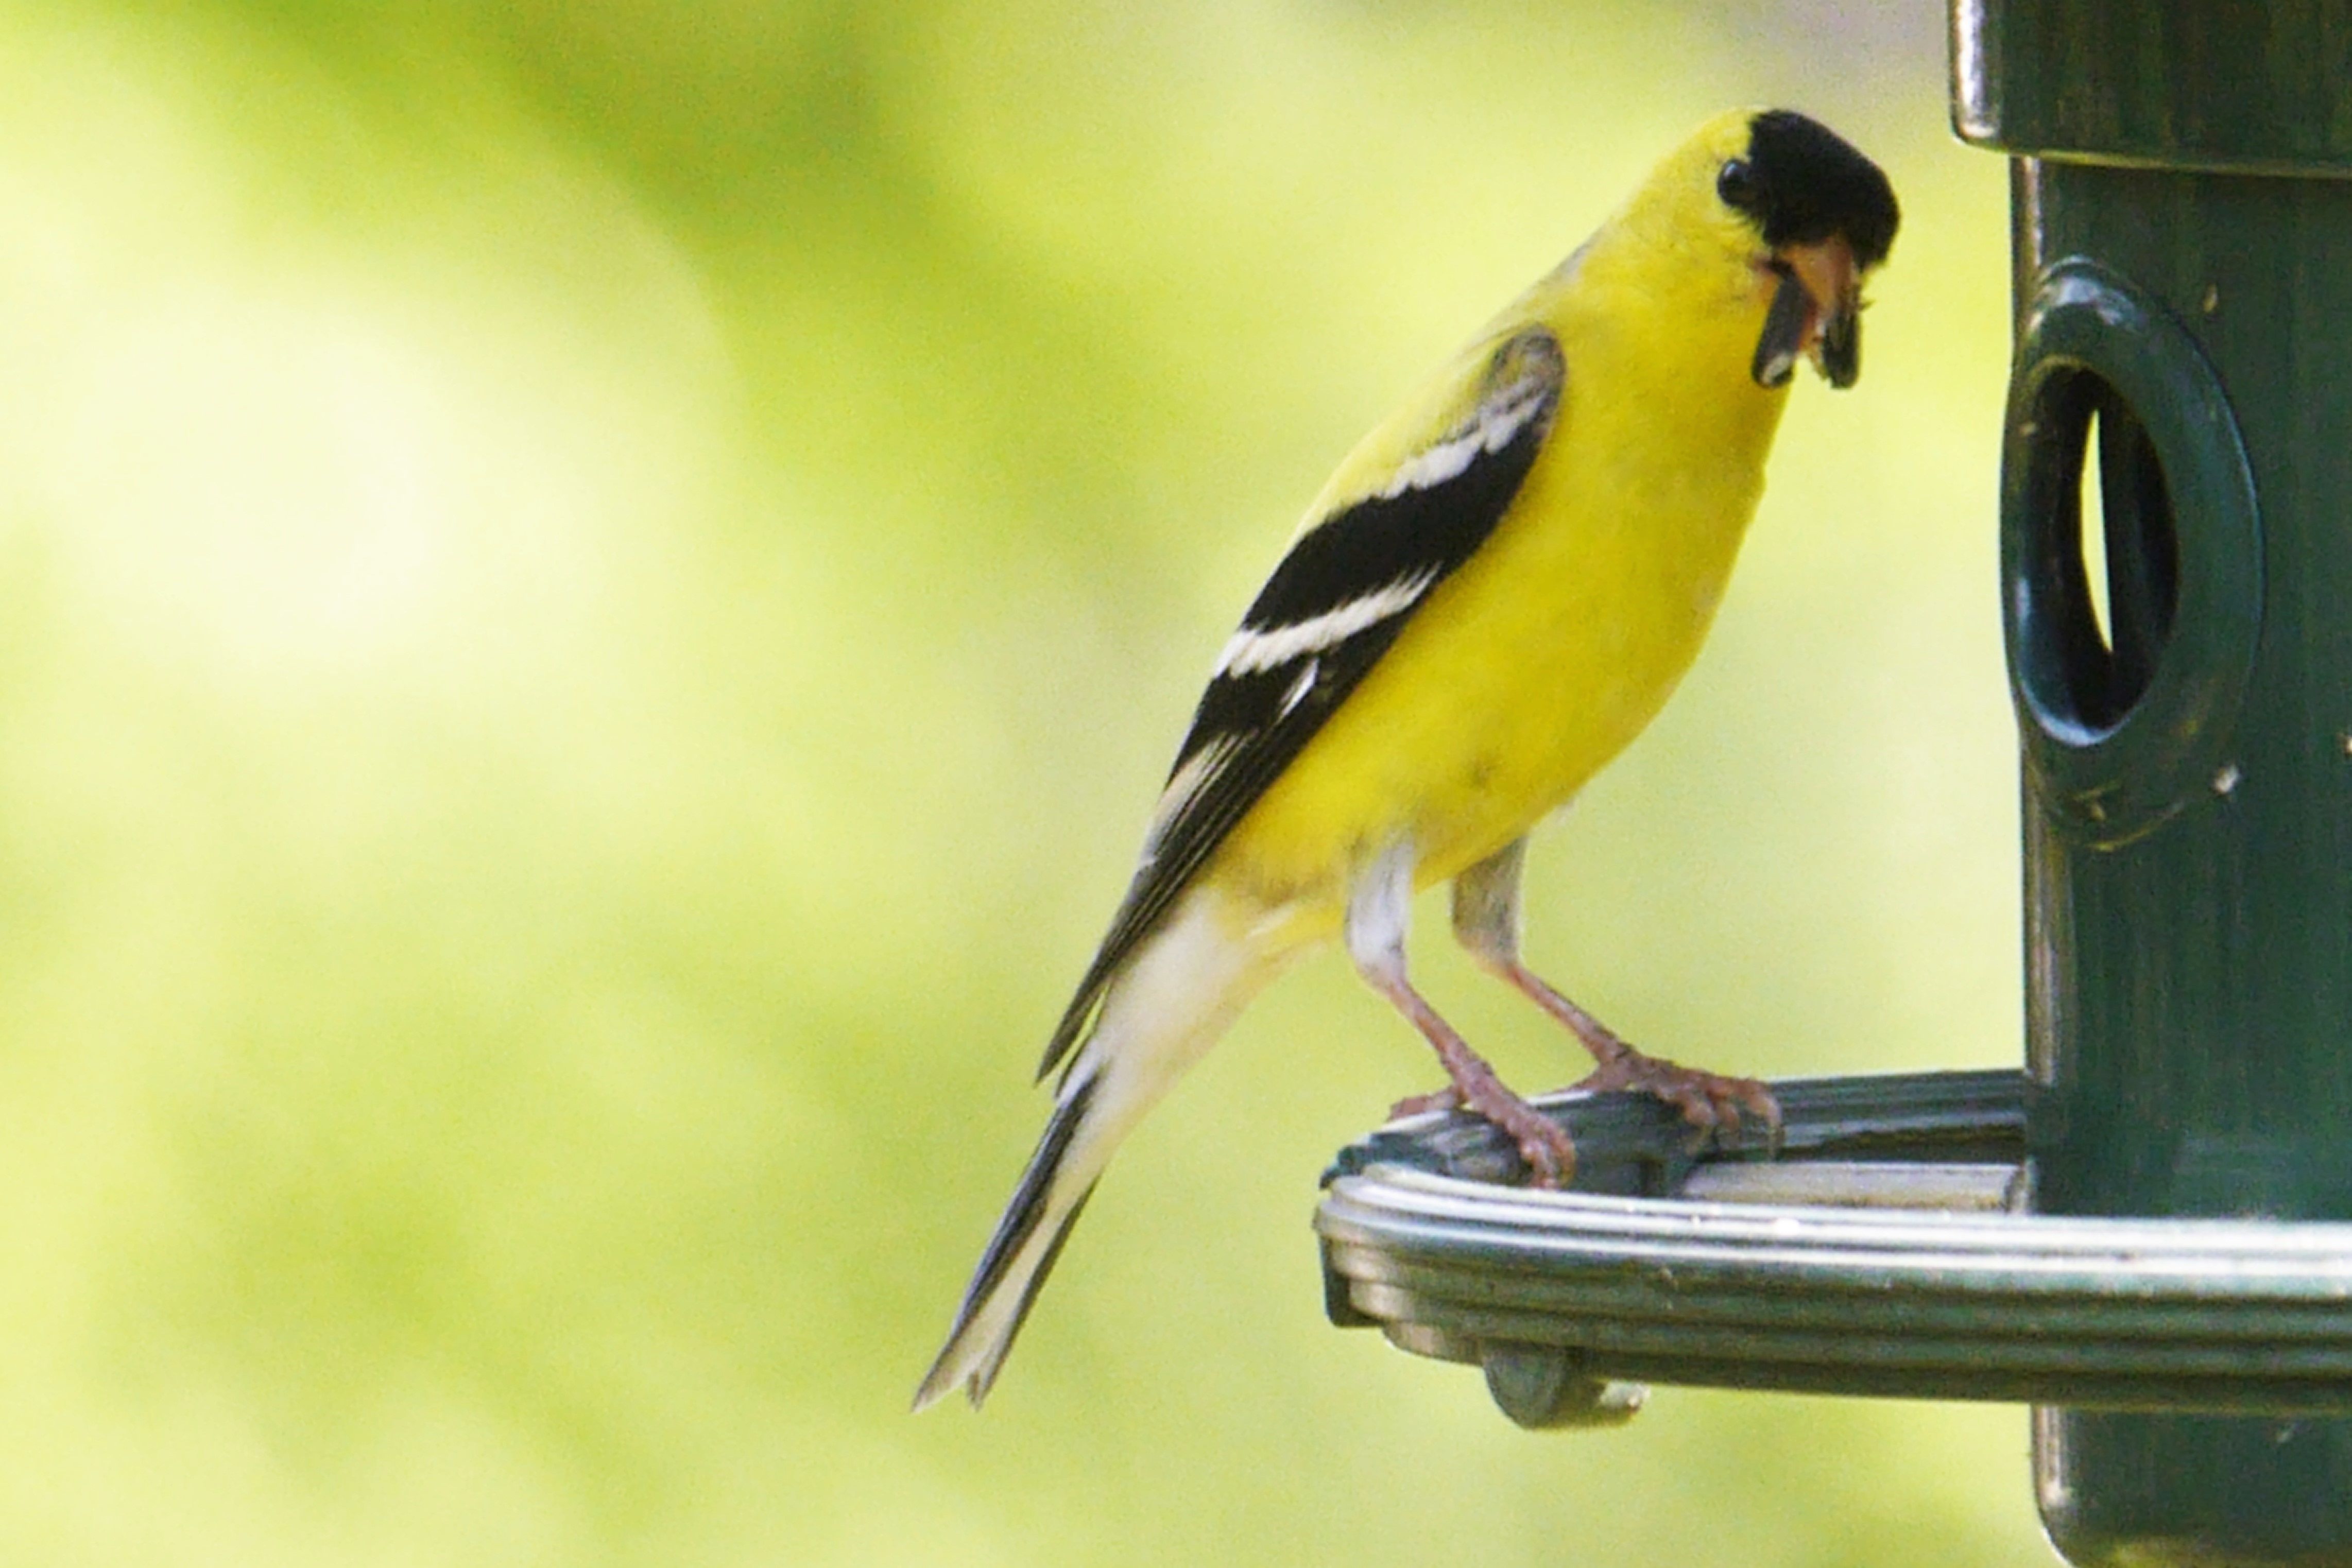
pixel 1550 651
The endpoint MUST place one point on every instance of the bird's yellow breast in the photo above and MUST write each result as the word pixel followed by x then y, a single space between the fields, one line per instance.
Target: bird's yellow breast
pixel 1552 647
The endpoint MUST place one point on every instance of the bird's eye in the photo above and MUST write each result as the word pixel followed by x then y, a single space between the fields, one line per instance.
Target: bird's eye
pixel 1736 183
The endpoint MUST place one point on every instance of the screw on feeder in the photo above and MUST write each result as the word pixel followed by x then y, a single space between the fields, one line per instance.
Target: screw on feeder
pixel 1544 1388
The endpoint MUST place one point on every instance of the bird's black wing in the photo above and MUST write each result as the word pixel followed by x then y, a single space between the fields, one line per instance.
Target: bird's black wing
pixel 1322 621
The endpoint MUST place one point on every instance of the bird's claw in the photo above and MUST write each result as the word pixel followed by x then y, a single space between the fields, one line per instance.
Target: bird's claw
pixel 1446 1099
pixel 1715 1105
pixel 1543 1143
pixel 1714 1102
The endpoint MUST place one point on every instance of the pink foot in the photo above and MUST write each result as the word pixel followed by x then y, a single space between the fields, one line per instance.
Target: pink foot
pixel 1446 1099
pixel 1711 1101
pixel 1549 1151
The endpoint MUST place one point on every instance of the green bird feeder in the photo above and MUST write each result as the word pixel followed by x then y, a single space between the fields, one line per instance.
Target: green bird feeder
pixel 2147 1233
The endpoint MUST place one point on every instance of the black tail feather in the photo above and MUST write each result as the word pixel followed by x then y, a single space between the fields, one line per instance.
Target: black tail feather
pixel 1014 1229
pixel 983 1377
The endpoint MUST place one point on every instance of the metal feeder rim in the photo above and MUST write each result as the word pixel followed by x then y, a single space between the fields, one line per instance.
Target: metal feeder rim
pixel 2209 1314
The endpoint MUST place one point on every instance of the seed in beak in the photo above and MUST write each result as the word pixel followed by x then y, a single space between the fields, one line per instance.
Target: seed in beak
pixel 1787 325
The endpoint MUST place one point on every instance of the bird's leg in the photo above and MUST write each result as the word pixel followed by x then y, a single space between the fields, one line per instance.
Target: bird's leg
pixel 1379 914
pixel 1486 922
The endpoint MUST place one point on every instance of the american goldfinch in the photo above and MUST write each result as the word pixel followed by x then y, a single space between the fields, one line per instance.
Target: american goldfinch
pixel 1494 594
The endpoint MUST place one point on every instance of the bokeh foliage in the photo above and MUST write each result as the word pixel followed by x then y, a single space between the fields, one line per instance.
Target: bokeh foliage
pixel 591 595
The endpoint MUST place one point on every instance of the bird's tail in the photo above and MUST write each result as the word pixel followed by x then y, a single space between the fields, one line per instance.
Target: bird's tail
pixel 1170 1002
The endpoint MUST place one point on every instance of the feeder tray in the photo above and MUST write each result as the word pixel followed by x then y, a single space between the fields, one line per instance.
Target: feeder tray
pixel 1883 1251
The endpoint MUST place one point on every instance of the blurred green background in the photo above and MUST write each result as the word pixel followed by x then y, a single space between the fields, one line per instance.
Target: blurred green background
pixel 592 598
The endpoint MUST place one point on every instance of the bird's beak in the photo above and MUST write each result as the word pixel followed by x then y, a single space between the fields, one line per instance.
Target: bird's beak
pixel 1816 309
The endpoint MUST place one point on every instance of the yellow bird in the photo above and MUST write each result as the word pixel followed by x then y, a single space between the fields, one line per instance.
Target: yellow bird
pixel 1495 593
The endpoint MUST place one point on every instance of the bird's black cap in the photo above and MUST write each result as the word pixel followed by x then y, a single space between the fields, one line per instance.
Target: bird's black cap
pixel 1805 183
